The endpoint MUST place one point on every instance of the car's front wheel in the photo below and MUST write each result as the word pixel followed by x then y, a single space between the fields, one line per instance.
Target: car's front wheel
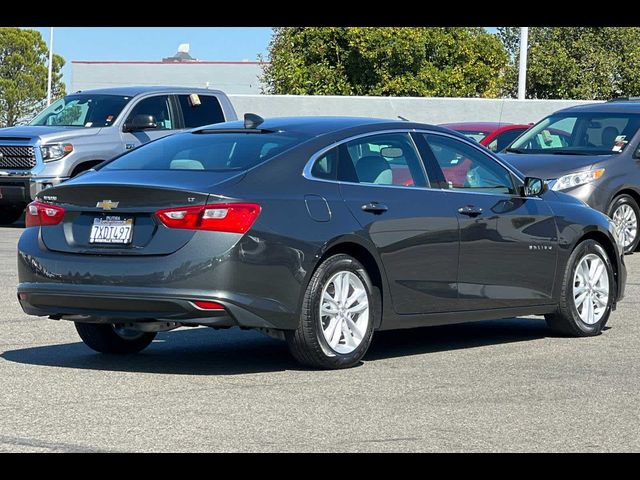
pixel 625 213
pixel 336 323
pixel 111 338
pixel 587 294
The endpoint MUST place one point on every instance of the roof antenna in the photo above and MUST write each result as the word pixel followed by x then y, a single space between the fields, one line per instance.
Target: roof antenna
pixel 252 121
pixel 403 119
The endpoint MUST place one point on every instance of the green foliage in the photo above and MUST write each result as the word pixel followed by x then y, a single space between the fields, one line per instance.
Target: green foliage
pixel 403 61
pixel 591 63
pixel 23 74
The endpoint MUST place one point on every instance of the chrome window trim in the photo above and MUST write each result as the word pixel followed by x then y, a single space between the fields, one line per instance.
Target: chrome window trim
pixel 306 172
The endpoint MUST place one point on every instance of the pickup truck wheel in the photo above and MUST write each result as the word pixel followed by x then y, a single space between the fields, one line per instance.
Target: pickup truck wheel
pixel 109 338
pixel 9 215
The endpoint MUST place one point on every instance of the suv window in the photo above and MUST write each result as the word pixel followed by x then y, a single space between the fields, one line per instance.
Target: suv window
pixel 581 133
pixel 466 168
pixel 386 159
pixel 199 110
pixel 159 108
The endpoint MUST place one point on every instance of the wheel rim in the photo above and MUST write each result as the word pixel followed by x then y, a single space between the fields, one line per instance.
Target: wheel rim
pixel 591 288
pixel 626 219
pixel 127 333
pixel 344 312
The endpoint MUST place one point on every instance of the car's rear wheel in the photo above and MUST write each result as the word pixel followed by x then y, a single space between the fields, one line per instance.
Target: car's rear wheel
pixel 112 338
pixel 338 311
pixel 587 295
pixel 9 215
pixel 625 213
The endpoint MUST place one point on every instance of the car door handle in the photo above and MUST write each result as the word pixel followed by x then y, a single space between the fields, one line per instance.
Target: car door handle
pixel 374 207
pixel 470 211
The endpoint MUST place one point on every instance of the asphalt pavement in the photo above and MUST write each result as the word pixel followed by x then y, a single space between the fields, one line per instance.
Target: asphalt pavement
pixel 507 385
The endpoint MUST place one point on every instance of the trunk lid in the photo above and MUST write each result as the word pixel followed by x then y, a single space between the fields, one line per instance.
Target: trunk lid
pixel 126 198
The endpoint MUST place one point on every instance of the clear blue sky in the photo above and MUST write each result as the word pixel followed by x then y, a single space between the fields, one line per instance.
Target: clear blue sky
pixel 154 43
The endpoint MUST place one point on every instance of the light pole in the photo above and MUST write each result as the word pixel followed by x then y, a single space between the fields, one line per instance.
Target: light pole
pixel 50 67
pixel 522 72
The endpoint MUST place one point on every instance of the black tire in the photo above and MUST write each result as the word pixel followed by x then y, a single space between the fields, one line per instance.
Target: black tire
pixel 627 200
pixel 566 320
pixel 307 343
pixel 103 338
pixel 9 215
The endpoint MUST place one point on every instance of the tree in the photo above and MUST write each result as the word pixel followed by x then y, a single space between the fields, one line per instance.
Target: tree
pixel 23 74
pixel 591 63
pixel 409 61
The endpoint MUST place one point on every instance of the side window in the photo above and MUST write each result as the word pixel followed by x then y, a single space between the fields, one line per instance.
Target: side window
pixel 466 168
pixel 385 159
pixel 199 110
pixel 326 167
pixel 503 140
pixel 158 107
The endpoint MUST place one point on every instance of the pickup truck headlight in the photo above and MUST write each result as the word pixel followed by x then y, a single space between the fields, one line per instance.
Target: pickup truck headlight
pixel 55 151
pixel 578 178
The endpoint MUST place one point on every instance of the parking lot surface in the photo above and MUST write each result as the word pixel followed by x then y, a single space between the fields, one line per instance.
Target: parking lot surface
pixel 507 385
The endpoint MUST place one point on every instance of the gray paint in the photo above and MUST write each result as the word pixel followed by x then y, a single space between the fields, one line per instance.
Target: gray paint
pixel 419 109
pixel 229 77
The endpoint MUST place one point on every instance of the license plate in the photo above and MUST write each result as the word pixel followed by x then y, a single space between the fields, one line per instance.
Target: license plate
pixel 111 230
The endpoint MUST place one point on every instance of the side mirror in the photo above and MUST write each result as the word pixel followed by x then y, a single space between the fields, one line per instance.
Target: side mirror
pixel 534 187
pixel 140 122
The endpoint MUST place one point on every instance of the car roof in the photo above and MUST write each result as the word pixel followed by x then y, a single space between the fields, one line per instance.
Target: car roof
pixel 135 90
pixel 620 106
pixel 488 127
pixel 470 126
pixel 315 126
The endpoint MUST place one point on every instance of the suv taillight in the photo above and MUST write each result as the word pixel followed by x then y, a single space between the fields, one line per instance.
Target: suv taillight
pixel 220 217
pixel 42 214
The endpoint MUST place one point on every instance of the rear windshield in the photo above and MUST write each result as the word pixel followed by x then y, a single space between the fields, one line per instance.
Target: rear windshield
pixel 217 152
pixel 476 135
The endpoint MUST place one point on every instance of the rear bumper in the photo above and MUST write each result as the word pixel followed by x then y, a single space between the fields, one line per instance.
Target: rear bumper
pixel 132 304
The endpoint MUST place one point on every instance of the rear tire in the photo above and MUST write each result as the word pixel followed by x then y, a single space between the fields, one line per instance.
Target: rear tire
pixel 586 295
pixel 625 210
pixel 108 338
pixel 335 328
pixel 9 215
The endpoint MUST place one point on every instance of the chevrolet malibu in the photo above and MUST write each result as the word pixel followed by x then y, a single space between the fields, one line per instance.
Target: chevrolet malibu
pixel 317 231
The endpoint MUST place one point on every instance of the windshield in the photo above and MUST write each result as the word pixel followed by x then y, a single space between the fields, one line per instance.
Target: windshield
pixel 80 110
pixel 217 152
pixel 584 133
pixel 476 135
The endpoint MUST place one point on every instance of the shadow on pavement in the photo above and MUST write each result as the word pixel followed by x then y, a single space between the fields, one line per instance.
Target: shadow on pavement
pixel 204 351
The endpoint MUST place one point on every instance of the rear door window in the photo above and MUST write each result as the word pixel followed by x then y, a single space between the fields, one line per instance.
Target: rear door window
pixel 199 110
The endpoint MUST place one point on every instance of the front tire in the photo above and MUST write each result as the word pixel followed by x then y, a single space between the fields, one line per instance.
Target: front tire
pixel 625 212
pixel 587 293
pixel 337 318
pixel 109 338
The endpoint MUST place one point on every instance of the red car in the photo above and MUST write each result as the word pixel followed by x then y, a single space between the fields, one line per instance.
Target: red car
pixel 493 135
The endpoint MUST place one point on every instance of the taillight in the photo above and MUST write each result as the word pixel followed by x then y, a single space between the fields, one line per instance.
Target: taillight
pixel 220 217
pixel 42 214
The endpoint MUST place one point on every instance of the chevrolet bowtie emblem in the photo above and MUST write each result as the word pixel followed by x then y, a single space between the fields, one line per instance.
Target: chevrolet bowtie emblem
pixel 107 204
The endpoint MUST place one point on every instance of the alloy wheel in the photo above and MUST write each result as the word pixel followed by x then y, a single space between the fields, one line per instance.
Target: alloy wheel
pixel 344 312
pixel 591 288
pixel 627 222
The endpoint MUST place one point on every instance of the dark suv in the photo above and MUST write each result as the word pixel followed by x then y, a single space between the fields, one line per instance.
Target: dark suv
pixel 591 152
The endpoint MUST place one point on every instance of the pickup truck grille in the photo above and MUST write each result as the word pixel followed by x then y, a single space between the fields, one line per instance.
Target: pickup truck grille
pixel 17 156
